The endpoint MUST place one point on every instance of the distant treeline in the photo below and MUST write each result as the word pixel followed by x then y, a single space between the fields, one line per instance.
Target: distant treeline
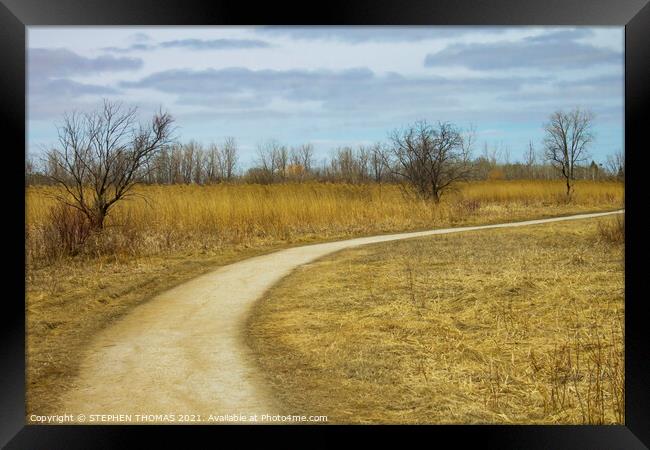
pixel 195 163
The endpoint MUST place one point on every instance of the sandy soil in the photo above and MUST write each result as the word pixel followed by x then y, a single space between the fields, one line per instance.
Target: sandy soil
pixel 184 352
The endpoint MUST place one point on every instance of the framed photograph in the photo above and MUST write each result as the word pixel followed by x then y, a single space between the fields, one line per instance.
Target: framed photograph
pixel 367 216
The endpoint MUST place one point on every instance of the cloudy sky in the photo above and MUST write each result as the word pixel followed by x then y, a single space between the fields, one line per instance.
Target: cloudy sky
pixel 331 86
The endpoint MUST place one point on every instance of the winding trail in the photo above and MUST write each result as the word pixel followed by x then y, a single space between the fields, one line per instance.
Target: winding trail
pixel 184 352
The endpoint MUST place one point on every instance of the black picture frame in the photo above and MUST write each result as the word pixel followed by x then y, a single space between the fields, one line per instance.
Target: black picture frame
pixel 16 15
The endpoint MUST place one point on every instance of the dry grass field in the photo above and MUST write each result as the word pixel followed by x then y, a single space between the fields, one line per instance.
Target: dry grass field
pixel 169 234
pixel 162 219
pixel 520 326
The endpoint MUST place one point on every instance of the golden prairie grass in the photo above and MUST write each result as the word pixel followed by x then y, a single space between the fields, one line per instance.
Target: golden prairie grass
pixel 168 234
pixel 497 326
pixel 612 231
pixel 188 217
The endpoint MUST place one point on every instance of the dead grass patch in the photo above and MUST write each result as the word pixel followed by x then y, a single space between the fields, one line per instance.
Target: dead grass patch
pixel 496 326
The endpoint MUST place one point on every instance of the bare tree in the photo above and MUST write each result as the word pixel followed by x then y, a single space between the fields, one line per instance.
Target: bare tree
pixel 491 156
pixel 301 159
pixel 191 152
pixel 266 161
pixel 565 145
pixel 272 161
pixel 363 163
pixel 176 164
pixel 212 164
pixel 198 174
pixel 229 158
pixel 530 159
pixel 344 164
pixel 306 154
pixel 430 158
pixel 505 154
pixel 377 162
pixel 281 158
pixel 29 170
pixel 468 137
pixel 616 165
pixel 102 155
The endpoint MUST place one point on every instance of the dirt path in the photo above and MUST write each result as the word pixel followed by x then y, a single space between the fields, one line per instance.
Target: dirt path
pixel 183 352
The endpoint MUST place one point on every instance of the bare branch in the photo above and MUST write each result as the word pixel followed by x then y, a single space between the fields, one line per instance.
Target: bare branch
pixel 430 159
pixel 104 153
pixel 568 136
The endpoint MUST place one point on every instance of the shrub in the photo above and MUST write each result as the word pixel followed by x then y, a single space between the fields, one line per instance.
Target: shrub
pixel 66 231
pixel 612 231
pixel 469 206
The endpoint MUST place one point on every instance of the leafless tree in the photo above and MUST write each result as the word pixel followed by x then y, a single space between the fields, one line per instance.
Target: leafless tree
pixel 505 154
pixel 301 159
pixel 492 156
pixel 616 165
pixel 306 152
pixel 468 137
pixel 363 163
pixel 281 157
pixel 198 173
pixel 229 158
pixel 377 162
pixel 191 153
pixel 349 165
pixel 29 170
pixel 102 155
pixel 272 162
pixel 266 157
pixel 530 159
pixel 176 164
pixel 565 145
pixel 211 164
pixel 430 158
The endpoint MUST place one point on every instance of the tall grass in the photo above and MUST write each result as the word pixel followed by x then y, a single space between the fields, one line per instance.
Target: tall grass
pixel 612 231
pixel 585 373
pixel 190 217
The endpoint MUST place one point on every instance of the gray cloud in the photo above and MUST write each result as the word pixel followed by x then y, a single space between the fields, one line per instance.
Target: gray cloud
pixel 357 104
pixel 59 62
pixel 194 44
pixel 140 37
pixel 357 89
pixel 49 86
pixel 562 35
pixel 129 49
pixel 607 82
pixel 588 91
pixel 46 97
pixel 63 88
pixel 360 34
pixel 557 50
pixel 360 97
pixel 215 44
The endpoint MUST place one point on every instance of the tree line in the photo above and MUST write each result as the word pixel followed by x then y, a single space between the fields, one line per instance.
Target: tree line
pixel 195 163
pixel 103 154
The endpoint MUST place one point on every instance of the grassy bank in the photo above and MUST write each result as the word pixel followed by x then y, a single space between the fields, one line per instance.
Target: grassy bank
pixel 497 326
